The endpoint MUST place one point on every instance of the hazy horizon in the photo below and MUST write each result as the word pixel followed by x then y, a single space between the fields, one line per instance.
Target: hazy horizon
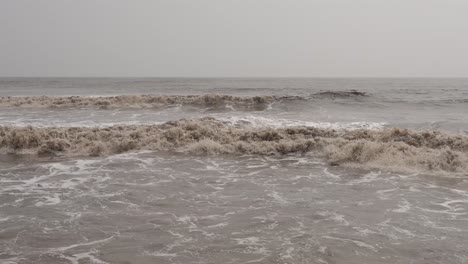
pixel 222 131
pixel 233 77
pixel 216 39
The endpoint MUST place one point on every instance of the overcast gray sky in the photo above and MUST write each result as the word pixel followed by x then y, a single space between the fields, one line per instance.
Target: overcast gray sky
pixel 203 38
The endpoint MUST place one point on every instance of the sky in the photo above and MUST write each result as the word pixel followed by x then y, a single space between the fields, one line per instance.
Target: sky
pixel 228 38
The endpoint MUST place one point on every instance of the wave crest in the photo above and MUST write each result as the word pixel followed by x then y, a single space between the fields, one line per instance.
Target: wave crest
pixel 158 101
pixel 138 101
pixel 394 149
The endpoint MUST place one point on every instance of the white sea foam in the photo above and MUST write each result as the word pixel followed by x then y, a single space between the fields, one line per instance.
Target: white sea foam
pixel 403 207
pixel 258 122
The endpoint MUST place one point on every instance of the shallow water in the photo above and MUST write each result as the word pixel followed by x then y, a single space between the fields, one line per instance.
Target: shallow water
pixel 175 207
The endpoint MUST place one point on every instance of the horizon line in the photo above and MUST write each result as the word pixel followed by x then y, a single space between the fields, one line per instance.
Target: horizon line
pixel 240 77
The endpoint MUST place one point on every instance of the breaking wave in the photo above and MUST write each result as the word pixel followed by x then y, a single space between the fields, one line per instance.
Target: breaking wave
pixel 159 101
pixel 391 148
pixel 142 101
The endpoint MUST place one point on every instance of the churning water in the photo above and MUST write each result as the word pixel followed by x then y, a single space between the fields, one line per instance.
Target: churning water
pixel 233 170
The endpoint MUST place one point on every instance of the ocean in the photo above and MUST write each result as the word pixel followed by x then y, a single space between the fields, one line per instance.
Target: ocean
pixel 233 170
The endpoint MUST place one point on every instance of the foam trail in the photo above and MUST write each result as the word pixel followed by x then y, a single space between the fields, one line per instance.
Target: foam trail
pixel 258 121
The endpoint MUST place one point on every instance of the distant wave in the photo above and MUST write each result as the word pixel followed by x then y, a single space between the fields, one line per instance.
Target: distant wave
pixel 159 101
pixel 341 94
pixel 140 101
pixel 393 149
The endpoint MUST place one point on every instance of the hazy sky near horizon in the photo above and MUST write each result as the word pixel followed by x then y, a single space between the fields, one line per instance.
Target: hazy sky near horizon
pixel 213 38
